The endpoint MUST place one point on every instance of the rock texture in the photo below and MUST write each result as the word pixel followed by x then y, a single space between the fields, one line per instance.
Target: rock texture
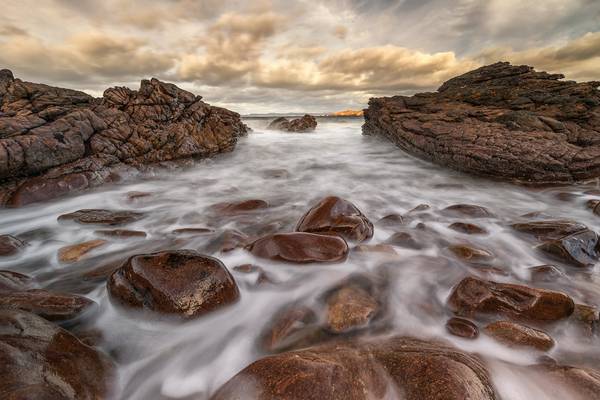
pixel 300 247
pixel 178 282
pixel 392 368
pixel 54 141
pixel 502 121
pixel 307 123
pixel 513 334
pixel 39 360
pixel 53 306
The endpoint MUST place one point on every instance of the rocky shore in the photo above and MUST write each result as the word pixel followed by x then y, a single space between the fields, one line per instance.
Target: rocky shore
pixel 500 121
pixel 56 141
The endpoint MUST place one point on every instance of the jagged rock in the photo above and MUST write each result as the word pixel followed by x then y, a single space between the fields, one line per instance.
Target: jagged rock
pixel 307 123
pixel 59 307
pixel 334 215
pixel 474 296
pixel 502 121
pixel 386 368
pixel 54 141
pixel 39 360
pixel 179 282
pixel 300 247
pixel 513 334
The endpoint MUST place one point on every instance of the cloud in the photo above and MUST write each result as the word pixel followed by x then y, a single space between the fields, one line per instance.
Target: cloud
pixel 340 32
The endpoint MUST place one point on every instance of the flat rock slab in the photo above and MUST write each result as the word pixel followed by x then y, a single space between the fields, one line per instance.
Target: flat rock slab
pixel 501 121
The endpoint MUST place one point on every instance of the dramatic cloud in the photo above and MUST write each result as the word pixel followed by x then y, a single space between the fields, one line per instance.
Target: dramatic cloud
pixel 282 55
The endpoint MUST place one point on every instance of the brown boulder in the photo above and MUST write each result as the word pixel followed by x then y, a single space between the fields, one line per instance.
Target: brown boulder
pixel 73 253
pixel 241 207
pixel 11 281
pixel 513 334
pixel 121 233
pixel 467 210
pixel 462 328
pixel 471 254
pixel 474 296
pixel 545 273
pixel 289 326
pixel 10 245
pixel 56 141
pixel 307 123
pixel 470 229
pixel 53 306
pixel 39 360
pixel 102 217
pixel 334 215
pixel 350 308
pixel 386 368
pixel 300 247
pixel 179 282
pixel 501 121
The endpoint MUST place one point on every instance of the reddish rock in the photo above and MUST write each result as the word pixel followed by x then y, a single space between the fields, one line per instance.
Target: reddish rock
pixel 180 282
pixel 53 306
pixel 288 327
pixel 583 383
pixel 467 210
pixel 474 296
pixel 192 231
pixel 11 281
pixel 73 253
pixel 391 220
pixel 334 215
pixel 587 319
pixel 375 248
pixel 300 247
pixel 102 217
pixel 41 361
pixel 549 229
pixel 10 245
pixel 470 253
pixel 56 141
pixel 241 207
pixel 228 240
pixel 262 278
pixel 545 273
pixel 350 308
pixel 513 334
pixel 470 229
pixel 404 239
pixel 502 121
pixel 355 370
pixel 121 233
pixel 307 123
pixel 462 327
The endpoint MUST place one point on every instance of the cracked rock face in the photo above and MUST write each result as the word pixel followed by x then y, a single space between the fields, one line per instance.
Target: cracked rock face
pixel 54 141
pixel 306 123
pixel 501 121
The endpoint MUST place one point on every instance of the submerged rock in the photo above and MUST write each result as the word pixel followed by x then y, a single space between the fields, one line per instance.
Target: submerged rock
pixel 55 141
pixel 11 281
pixel 513 334
pixel 467 210
pixel 10 245
pixel 300 247
pixel 386 368
pixel 53 306
pixel 179 282
pixel 469 229
pixel 502 121
pixel 240 208
pixel 334 215
pixel 102 217
pixel 289 326
pixel 307 123
pixel 73 253
pixel 350 308
pixel 462 328
pixel 474 296
pixel 44 362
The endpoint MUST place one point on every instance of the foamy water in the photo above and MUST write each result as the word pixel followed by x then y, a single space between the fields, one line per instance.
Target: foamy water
pixel 161 359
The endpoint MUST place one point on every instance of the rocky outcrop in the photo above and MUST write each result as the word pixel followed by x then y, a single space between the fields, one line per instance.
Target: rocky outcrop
pixel 502 121
pixel 391 368
pixel 306 123
pixel 54 141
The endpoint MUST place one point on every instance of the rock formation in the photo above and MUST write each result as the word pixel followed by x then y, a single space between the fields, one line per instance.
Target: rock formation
pixel 54 141
pixel 502 121
pixel 307 123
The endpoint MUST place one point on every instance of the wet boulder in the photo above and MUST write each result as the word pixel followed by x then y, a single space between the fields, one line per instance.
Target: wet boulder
pixel 290 326
pixel 12 281
pixel 73 253
pixel 470 253
pixel 300 247
pixel 39 360
pixel 473 296
pixel 350 308
pixel 545 273
pixel 179 282
pixel 102 217
pixel 567 241
pixel 306 123
pixel 243 207
pixel 467 211
pixel 517 335
pixel 395 367
pixel 469 229
pixel 462 327
pixel 53 306
pixel 334 215
pixel 121 233
pixel 10 245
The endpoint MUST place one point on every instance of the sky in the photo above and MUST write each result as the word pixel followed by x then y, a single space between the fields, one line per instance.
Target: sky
pixel 275 56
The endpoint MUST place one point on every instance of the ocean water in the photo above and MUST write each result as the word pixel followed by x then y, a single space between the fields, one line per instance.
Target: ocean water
pixel 166 359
